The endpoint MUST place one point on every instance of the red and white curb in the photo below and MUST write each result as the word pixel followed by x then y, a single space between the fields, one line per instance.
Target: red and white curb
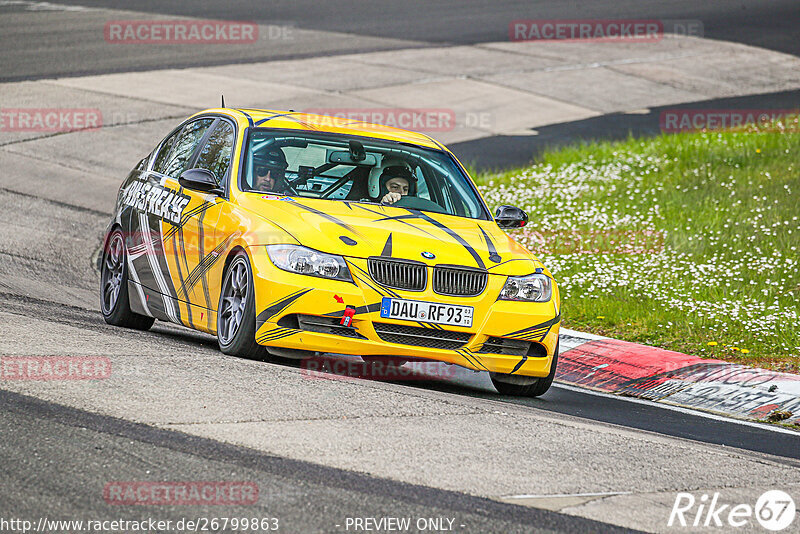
pixel 638 373
pixel 715 386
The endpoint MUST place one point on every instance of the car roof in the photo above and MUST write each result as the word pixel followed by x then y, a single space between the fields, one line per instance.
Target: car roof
pixel 295 120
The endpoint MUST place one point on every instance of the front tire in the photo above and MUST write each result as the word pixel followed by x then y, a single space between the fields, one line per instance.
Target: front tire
pixel 114 298
pixel 236 318
pixel 535 389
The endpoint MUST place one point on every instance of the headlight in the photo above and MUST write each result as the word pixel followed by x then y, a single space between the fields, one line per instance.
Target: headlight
pixel 302 260
pixel 532 288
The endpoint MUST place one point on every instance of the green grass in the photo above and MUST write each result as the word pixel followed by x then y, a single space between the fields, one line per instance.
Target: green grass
pixel 726 205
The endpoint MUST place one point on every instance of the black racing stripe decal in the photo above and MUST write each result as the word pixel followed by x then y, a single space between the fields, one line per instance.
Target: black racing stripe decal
pixel 201 246
pixel 519 364
pixel 180 274
pixel 275 338
pixel 544 334
pixel 493 255
pixel 539 326
pixel 475 357
pixel 507 261
pixel 400 220
pixel 180 242
pixel 276 333
pixel 277 307
pixel 186 265
pixel 249 118
pixel 267 119
pixel 438 224
pixel 188 215
pixel 384 291
pixel 161 257
pixel 455 236
pixel 471 358
pixel 532 336
pixel 205 264
pixel 387 248
pixel 377 289
pixel 369 308
pixel 379 213
pixel 324 215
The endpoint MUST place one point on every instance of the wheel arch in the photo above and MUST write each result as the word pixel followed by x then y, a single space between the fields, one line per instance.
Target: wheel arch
pixel 114 225
pixel 235 249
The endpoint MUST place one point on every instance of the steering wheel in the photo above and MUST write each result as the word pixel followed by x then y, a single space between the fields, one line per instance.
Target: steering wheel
pixel 419 203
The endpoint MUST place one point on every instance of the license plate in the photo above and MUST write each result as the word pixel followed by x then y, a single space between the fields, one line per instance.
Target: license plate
pixel 426 312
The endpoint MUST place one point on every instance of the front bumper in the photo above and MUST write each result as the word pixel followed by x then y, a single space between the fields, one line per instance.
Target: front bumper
pixel 282 296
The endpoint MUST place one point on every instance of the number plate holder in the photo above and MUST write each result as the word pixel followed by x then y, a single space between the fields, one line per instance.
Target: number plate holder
pixel 427 312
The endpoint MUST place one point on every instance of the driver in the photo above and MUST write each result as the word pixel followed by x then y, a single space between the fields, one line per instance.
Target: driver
pixel 397 181
pixel 269 169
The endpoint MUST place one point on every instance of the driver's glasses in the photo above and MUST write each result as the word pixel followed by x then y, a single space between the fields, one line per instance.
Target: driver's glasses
pixel 262 170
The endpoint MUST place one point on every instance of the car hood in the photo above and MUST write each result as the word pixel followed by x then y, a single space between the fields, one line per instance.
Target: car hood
pixel 361 230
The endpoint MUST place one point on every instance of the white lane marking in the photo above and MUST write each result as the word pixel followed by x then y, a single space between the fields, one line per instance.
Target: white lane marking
pixel 562 495
pixel 42 6
pixel 681 409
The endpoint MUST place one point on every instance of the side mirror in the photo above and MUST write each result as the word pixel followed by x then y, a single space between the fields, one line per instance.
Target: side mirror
pixel 510 217
pixel 200 180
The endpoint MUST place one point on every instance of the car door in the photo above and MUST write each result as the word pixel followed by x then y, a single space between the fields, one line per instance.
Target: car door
pixel 161 210
pixel 195 247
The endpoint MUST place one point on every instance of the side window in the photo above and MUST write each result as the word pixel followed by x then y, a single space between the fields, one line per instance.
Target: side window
pixel 185 145
pixel 161 157
pixel 216 154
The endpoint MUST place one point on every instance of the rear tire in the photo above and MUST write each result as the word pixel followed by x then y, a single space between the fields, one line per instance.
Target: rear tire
pixel 236 316
pixel 114 298
pixel 535 389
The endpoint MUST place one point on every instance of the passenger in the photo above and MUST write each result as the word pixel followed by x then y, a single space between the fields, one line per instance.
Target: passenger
pixel 397 181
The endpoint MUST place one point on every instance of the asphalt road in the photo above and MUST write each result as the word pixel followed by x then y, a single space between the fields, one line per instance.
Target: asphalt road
pixel 74 454
pixel 47 42
pixel 321 451
pixel 765 24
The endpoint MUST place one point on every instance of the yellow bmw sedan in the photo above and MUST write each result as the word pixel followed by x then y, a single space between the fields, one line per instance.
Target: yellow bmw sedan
pixel 298 234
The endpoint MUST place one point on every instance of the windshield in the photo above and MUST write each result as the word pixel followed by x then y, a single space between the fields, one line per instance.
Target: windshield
pixel 358 169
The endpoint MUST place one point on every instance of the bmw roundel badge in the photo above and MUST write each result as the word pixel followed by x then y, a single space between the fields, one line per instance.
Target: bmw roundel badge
pixel 428 255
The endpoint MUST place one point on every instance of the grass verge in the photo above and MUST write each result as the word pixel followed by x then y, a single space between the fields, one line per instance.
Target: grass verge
pixel 687 242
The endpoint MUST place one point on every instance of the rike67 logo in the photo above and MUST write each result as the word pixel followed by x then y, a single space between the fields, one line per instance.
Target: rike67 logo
pixel 774 510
